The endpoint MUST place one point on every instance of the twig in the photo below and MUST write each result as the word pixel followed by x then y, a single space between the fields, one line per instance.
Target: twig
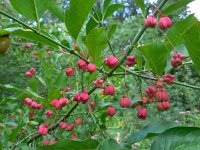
pixel 136 39
pixel 146 77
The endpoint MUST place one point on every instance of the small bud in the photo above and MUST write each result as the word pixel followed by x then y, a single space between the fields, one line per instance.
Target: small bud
pixel 142 113
pixel 98 83
pixel 130 60
pixel 111 61
pixel 150 91
pixel 109 90
pixel 161 96
pixel 82 65
pixel 159 85
pixel 70 127
pixel 62 125
pixel 78 121
pixel 69 72
pixel 48 113
pixel 169 78
pixel 91 68
pixel 164 22
pixel 111 111
pixel 125 102
pixel 28 74
pixel 150 21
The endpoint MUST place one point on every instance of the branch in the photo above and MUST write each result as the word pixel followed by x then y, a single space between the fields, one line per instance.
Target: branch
pixel 136 39
pixel 151 78
pixel 71 51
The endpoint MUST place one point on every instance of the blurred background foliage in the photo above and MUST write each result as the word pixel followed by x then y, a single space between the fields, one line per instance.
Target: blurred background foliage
pixel 129 19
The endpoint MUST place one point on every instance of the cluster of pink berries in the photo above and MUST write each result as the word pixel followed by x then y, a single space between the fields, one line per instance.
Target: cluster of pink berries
pixel 48 142
pixel 43 130
pixel 109 90
pixel 98 83
pixel 163 23
pixel 153 94
pixel 68 127
pixel 28 45
pixel 130 61
pixel 112 61
pixel 124 103
pixel 82 65
pixel 92 105
pixel 30 73
pixel 29 102
pixel 48 113
pixel 81 97
pixel 177 59
pixel 59 103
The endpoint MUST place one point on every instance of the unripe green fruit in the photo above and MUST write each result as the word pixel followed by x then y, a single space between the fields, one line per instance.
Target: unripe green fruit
pixel 4 43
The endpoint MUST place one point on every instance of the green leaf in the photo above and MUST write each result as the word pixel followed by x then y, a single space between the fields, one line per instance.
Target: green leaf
pixel 15 132
pixel 35 95
pixel 106 3
pixel 72 144
pixel 76 15
pixel 26 33
pixel 91 25
pixel 175 6
pixel 111 9
pixel 60 81
pixel 149 131
pixel 139 61
pixel 10 87
pixel 34 84
pixel 141 4
pixel 18 89
pixel 33 36
pixel 192 42
pixel 57 10
pixel 109 144
pixel 177 138
pixel 32 9
pixel 41 80
pixel 175 33
pixel 54 94
pixel 3 32
pixel 112 30
pixel 156 54
pixel 81 43
pixel 95 42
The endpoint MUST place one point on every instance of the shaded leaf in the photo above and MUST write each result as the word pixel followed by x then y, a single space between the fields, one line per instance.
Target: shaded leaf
pixel 76 15
pixel 106 3
pixel 175 33
pixel 176 6
pixel 149 131
pixel 112 30
pixel 95 42
pixel 91 25
pixel 192 42
pixel 141 4
pixel 15 131
pixel 109 144
pixel 32 9
pixel 177 138
pixel 57 10
pixel 156 55
pixel 34 84
pixel 72 144
pixel 111 9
